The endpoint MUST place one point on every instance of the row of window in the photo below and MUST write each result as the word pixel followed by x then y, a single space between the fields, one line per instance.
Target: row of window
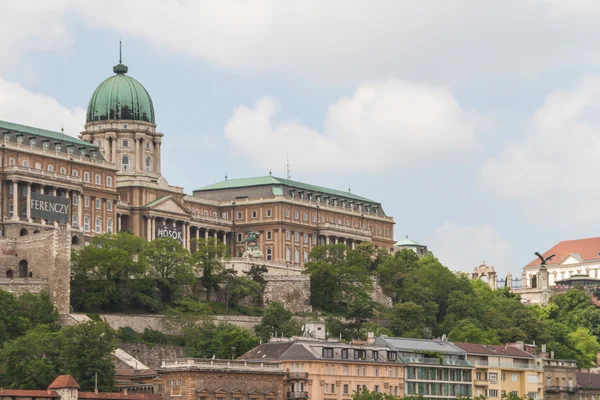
pixel 439 374
pixel 440 389
pixel 63 171
pixel 125 164
pixel 98 203
pixel 358 354
pixel 124 143
pixel 97 225
pixel 362 371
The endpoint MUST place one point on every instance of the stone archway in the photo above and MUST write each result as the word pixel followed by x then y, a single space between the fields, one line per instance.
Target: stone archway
pixel 10 274
pixel 486 273
pixel 23 265
pixel 23 232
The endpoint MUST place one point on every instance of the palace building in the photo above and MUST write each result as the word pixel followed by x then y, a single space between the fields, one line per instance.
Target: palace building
pixel 109 180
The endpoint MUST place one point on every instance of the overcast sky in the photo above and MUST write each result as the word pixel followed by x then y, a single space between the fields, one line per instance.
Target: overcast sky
pixel 475 123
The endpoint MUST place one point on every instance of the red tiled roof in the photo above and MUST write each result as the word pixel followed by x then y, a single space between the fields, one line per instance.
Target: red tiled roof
pixel 64 382
pixel 588 249
pixel 118 396
pixel 28 393
pixel 487 349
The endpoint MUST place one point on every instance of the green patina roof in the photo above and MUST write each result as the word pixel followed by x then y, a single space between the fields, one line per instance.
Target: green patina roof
pixel 277 182
pixel 120 97
pixel 10 126
pixel 158 201
pixel 408 242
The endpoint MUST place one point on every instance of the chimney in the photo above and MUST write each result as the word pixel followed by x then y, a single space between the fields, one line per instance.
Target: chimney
pixel 371 338
pixel 552 355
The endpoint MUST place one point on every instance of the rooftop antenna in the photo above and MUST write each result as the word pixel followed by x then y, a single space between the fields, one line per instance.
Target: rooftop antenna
pixel 287 166
pixel 120 51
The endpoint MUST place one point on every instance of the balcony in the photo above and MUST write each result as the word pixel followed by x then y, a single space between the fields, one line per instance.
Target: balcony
pixel 297 375
pixel 480 382
pixel 334 229
pixel 297 395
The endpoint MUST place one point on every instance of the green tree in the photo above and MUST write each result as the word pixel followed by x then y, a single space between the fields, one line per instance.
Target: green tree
pixel 170 265
pixel 208 260
pixel 185 315
pixel 12 322
pixel 38 309
pixel 257 274
pixel 86 349
pixel 238 287
pixel 467 331
pixel 276 319
pixel 409 320
pixel 31 361
pixel 222 341
pixel 365 394
pixel 586 345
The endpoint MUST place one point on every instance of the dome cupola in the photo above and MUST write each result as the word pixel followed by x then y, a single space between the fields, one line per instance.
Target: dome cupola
pixel 120 97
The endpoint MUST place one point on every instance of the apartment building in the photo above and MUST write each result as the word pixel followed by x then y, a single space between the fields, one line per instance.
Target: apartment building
pixel 503 370
pixel 560 379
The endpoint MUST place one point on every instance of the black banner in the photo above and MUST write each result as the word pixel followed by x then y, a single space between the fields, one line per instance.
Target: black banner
pixel 168 230
pixel 51 208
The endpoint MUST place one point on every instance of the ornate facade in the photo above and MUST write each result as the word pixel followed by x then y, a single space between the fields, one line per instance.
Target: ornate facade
pixel 109 180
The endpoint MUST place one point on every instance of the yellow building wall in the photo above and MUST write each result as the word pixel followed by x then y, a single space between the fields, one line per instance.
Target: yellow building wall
pixel 508 380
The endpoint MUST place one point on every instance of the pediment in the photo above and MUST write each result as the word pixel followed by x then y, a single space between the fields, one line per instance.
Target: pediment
pixel 168 204
pixel 571 259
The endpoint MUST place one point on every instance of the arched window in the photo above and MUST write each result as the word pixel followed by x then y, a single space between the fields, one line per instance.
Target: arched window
pixel 269 235
pixel 75 220
pixel 23 269
pixel 109 181
pixel 62 171
pixel 305 256
pixel 125 163
pixel 38 165
pixel 86 201
pixel 98 225
pixel 109 226
pixel 50 168
pixel 86 177
pixel 10 274
pixel 148 164
pixel 296 256
pixel 23 232
pixel 26 163
pixel 86 223
pixel 75 172
pixel 269 254
pixel 288 254
pixel 108 205
pixel 75 240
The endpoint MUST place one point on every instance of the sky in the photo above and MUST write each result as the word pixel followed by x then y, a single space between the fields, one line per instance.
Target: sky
pixel 475 124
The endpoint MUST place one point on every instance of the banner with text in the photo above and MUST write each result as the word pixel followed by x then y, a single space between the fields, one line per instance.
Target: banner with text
pixel 168 230
pixel 51 208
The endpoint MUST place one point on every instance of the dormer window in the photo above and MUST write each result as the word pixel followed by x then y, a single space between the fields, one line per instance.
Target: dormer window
pixel 20 139
pixel 57 147
pixel 292 193
pixel 32 141
pixel 46 144
pixel 392 355
pixel 360 354
pixel 70 149
pixel 345 354
pixel 6 136
pixel 327 352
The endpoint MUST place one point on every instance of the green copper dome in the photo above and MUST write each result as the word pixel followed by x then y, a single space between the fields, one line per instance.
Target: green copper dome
pixel 120 97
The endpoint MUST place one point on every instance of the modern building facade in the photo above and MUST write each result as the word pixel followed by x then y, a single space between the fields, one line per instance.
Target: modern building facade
pixel 502 370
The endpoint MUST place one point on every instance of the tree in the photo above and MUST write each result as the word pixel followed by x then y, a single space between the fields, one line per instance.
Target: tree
pixel 238 287
pixel 38 309
pixel 276 319
pixel 31 361
pixel 86 350
pixel 12 322
pixel 409 320
pixel 185 315
pixel 170 265
pixel 208 260
pixel 586 345
pixel 257 274
pixel 365 394
pixel 222 341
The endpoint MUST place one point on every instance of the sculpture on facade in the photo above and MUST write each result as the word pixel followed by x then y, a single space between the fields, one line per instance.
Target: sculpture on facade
pixel 544 260
pixel 252 247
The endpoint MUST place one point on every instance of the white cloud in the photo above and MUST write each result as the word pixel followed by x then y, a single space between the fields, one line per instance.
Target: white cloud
pixel 22 106
pixel 356 40
pixel 27 26
pixel 462 247
pixel 381 126
pixel 552 171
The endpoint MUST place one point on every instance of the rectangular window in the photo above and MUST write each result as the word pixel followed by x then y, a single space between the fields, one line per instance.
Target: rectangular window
pixel 375 355
pixel 345 388
pixel 491 393
pixel 314 240
pixel 345 354
pixel 98 204
pixel 239 215
pixel 376 371
pixel 391 355
pixel 175 391
pixel 297 215
pixel 493 377
pixel 346 372
pixel 98 179
pixel 109 181
pixel 125 143
pixel 305 238
pixel 327 352
pixel 359 354
pixel 287 213
pixel 376 390
pixel 288 235
pixel 306 216
pixel 297 236
pixel 515 378
pixel 364 371
pixel 269 235
pixel 253 214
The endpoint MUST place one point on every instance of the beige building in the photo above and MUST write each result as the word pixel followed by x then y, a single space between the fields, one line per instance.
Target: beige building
pixel 560 379
pixel 328 369
pixel 501 370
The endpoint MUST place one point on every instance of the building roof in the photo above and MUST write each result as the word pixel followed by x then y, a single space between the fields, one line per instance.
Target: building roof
pixel 64 382
pixel 499 351
pixel 274 181
pixel 118 396
pixel 59 136
pixel 28 393
pixel 267 351
pixel 588 249
pixel 588 380
pixel 120 97
pixel 419 345
pixel 408 242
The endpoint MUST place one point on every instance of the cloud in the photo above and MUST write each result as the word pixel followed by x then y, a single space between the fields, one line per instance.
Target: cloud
pixel 381 126
pixel 463 247
pixel 353 41
pixel 31 26
pixel 22 106
pixel 551 171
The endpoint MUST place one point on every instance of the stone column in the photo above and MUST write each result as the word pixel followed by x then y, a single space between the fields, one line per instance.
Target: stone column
pixel 93 214
pixel 153 230
pixel 215 234
pixel 148 228
pixel 225 238
pixel 118 223
pixel 79 211
pixel 137 155
pixel 54 191
pixel 113 150
pixel 188 231
pixel 69 214
pixel 206 234
pixel 104 217
pixel 157 157
pixel 28 203
pixel 15 201
pixel 197 233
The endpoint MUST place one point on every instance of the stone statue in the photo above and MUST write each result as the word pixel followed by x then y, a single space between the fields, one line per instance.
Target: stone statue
pixel 544 260
pixel 252 247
